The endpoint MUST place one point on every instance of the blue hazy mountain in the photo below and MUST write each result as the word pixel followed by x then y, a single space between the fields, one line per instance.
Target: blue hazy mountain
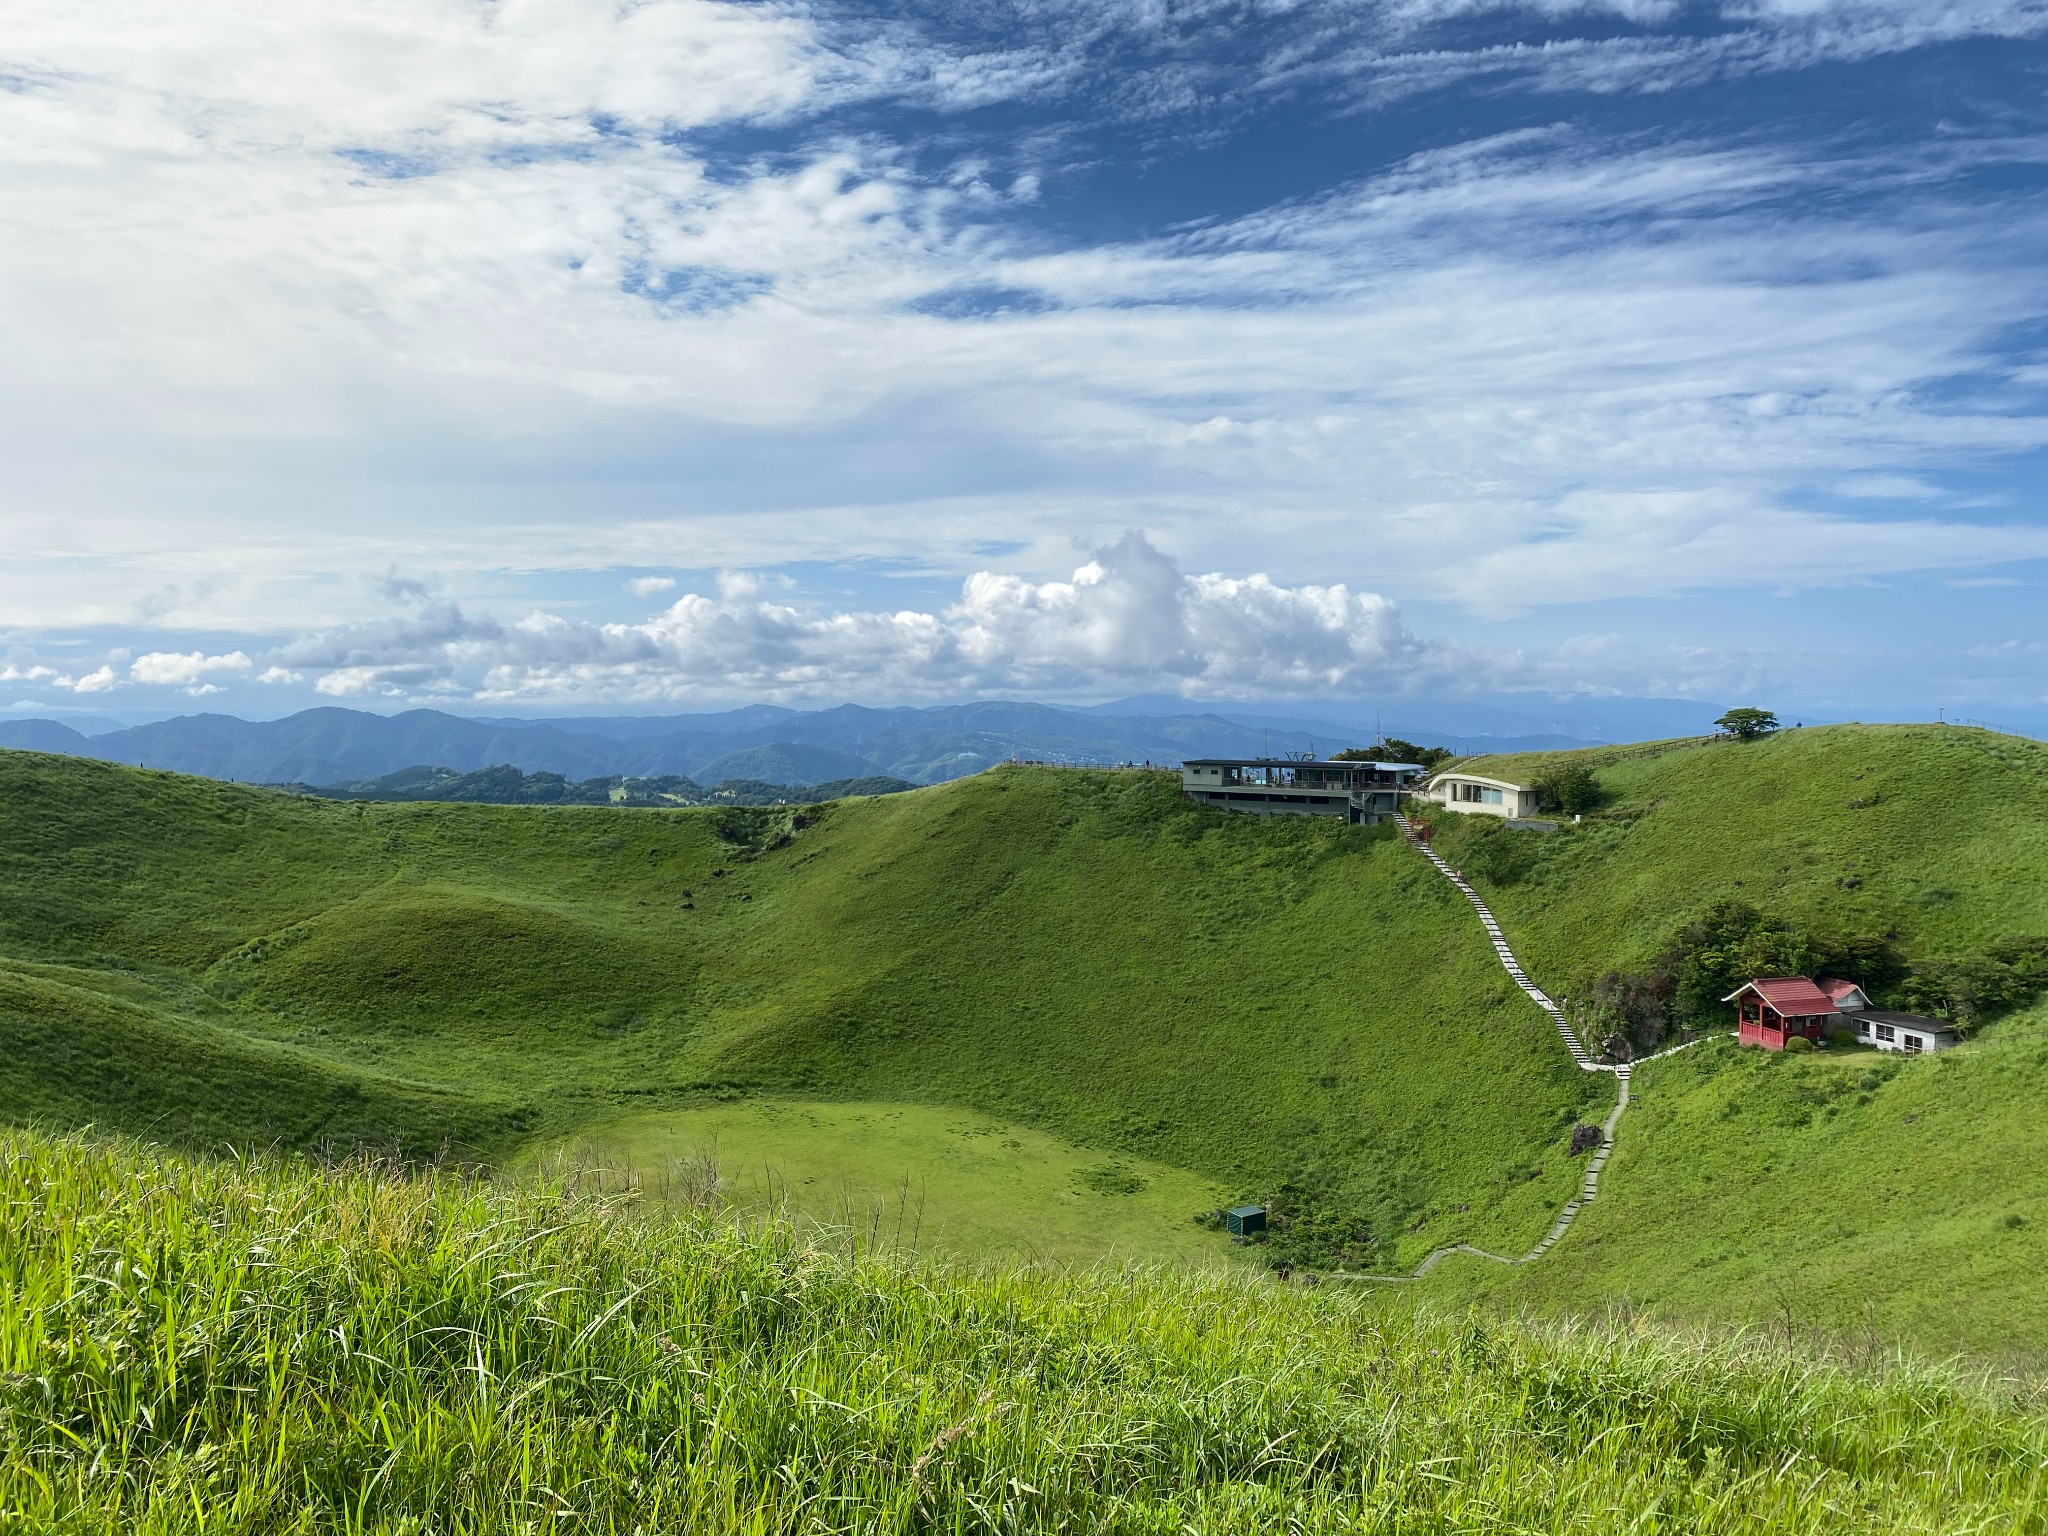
pixel 786 763
pixel 767 742
pixel 45 736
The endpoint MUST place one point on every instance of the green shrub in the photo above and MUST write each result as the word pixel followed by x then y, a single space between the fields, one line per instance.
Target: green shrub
pixel 1972 989
pixel 1571 787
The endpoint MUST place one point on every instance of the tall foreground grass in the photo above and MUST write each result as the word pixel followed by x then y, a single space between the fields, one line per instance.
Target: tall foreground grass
pixel 266 1347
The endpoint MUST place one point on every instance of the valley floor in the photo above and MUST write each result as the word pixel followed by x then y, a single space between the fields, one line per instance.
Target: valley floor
pixel 906 1178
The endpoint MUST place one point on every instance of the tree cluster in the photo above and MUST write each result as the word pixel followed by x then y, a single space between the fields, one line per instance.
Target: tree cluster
pixel 1731 942
pixel 1394 750
pixel 1570 787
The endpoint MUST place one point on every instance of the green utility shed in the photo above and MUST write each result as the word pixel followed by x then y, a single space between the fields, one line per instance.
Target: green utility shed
pixel 1244 1220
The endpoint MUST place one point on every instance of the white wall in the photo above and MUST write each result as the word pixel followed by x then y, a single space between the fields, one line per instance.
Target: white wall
pixel 1930 1042
pixel 1514 800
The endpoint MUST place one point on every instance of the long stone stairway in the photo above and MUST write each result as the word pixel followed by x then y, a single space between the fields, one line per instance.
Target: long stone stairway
pixel 1537 995
pixel 1589 1184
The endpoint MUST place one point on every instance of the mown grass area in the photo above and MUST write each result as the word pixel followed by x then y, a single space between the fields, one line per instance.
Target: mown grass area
pixel 1847 1194
pixel 258 1347
pixel 911 1178
pixel 1255 1002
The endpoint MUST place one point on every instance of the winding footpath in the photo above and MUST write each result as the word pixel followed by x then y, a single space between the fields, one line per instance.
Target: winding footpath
pixel 1581 1057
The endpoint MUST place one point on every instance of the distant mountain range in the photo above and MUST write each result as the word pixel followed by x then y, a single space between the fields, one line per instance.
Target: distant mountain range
pixel 763 743
pixel 508 786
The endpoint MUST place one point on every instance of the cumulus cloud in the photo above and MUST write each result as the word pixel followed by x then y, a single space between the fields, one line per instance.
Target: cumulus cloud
pixel 1127 616
pixel 185 669
pixel 651 586
pixel 36 675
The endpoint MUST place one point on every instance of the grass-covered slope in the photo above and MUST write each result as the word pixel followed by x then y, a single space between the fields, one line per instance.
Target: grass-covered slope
pixel 1936 835
pixel 1838 1193
pixel 1846 1194
pixel 81 1046
pixel 1254 1002
pixel 1147 990
pixel 249 1348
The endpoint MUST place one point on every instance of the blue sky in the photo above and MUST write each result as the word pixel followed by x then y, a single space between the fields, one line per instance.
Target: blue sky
pixel 543 354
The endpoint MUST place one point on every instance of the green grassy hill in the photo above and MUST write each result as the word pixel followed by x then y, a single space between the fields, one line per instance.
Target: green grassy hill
pixel 1849 1195
pixel 1937 835
pixel 1085 955
pixel 1142 1003
pixel 1843 1193
pixel 246 1347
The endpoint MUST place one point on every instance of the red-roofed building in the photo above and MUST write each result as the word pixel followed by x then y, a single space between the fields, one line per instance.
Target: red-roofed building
pixel 1845 995
pixel 1772 1009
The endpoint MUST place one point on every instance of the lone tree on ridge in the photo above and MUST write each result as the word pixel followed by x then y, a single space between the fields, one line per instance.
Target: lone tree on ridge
pixel 1748 724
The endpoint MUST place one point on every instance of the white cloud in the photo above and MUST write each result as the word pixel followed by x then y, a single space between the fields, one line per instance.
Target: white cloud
pixel 428 75
pixel 1888 488
pixel 184 669
pixel 457 286
pixel 354 682
pixel 97 681
pixel 1129 613
pixel 1126 616
pixel 1600 545
pixel 1385 65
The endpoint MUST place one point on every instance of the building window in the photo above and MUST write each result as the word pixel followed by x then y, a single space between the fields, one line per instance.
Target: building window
pixel 1886 1032
pixel 1489 796
pixel 1913 1044
pixel 1863 1029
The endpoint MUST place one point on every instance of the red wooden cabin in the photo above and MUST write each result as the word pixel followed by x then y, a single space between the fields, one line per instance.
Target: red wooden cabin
pixel 1772 1009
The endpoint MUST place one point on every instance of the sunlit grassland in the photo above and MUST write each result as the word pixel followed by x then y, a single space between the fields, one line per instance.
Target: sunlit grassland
pixel 1845 1194
pixel 1936 834
pixel 1089 959
pixel 911 1178
pixel 1085 954
pixel 260 1347
pixel 1848 1194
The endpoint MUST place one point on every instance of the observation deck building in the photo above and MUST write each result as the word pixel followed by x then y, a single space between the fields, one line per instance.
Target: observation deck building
pixel 1363 793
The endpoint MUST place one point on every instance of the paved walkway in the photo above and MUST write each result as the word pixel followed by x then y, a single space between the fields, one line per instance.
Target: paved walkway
pixel 1589 1187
